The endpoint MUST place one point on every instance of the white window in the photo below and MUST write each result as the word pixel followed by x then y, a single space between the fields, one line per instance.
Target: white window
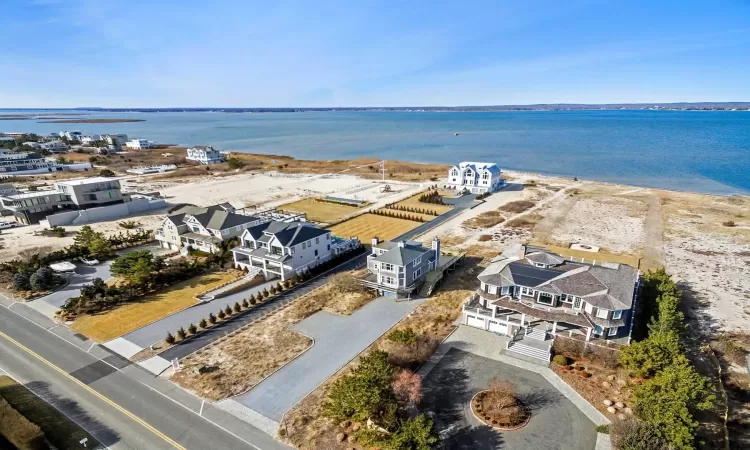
pixel 317 240
pixel 387 280
pixel 417 273
pixel 602 313
pixel 418 260
pixel 388 267
pixel 540 265
pixel 304 245
pixel 589 309
pixel 546 299
pixel 527 291
pixel 613 331
pixel 566 298
pixel 616 315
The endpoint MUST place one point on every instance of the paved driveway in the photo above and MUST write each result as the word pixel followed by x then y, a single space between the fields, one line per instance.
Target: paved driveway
pixel 83 275
pixel 448 388
pixel 338 339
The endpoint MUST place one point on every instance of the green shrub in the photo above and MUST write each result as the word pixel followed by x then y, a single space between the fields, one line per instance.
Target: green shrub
pixel 42 279
pixel 252 300
pixel 21 282
pixel 211 318
pixel 265 293
pixel 228 311
pixel 170 339
pixel 403 336
pixel 181 333
pixel 203 323
pixel 221 314
pixel 192 329
pixel 237 308
pixel 560 360
pixel 602 429
pixel 245 304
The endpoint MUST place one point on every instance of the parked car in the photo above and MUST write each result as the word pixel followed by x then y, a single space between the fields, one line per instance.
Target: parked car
pixel 8 224
pixel 89 261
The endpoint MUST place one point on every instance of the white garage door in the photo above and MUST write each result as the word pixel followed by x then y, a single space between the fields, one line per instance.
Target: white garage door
pixel 497 327
pixel 475 322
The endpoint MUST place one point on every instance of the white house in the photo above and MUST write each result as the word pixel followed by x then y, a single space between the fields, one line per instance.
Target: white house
pixel 115 140
pixel 476 177
pixel 55 147
pixel 139 144
pixel 85 140
pixel 206 155
pixel 72 135
pixel 282 249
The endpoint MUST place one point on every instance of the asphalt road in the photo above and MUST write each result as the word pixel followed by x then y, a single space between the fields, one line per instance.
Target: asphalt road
pixel 120 404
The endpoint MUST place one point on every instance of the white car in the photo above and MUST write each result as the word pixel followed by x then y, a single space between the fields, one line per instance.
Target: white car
pixel 4 225
pixel 89 261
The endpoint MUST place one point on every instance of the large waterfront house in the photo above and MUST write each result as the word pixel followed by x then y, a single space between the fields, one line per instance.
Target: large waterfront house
pixel 476 177
pixel 398 269
pixel 139 144
pixel 203 228
pixel 26 163
pixel 206 155
pixel 282 249
pixel 534 296
pixel 71 195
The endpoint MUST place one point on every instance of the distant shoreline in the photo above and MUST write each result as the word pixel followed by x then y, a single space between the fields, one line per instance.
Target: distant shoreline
pixel 92 121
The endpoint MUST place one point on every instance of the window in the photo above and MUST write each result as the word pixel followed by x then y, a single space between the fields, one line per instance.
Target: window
pixel 612 331
pixel 328 237
pixel 316 253
pixel 527 291
pixel 544 266
pixel 598 330
pixel 329 247
pixel 546 299
pixel 388 267
pixel 602 313
pixel 317 240
pixel 417 273
pixel 304 245
pixel 386 280
pixel 566 298
pixel 418 260
pixel 616 315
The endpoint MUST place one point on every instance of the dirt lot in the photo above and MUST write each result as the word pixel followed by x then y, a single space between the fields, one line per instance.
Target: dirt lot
pixel 320 211
pixel 413 202
pixel 111 324
pixel 242 360
pixel 306 429
pixel 368 226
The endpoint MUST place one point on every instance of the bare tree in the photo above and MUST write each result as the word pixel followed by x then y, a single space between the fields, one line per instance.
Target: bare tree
pixel 408 387
pixel 501 393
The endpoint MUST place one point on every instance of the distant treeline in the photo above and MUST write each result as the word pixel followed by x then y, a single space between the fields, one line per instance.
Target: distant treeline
pixel 697 106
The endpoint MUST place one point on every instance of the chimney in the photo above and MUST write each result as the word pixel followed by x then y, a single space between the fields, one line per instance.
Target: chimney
pixel 522 251
pixel 375 241
pixel 436 247
pixel 401 244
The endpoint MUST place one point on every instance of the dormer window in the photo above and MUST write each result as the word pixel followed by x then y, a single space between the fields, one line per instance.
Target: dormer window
pixel 602 313
pixel 543 266
pixel 616 315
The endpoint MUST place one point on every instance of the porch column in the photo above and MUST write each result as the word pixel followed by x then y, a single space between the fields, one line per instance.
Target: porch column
pixel 282 272
pixel 494 311
pixel 523 319
pixel 554 327
pixel 588 334
pixel 265 268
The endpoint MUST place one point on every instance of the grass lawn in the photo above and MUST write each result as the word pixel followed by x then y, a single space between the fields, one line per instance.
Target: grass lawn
pixel 320 211
pixel 111 324
pixel 368 226
pixel 414 202
pixel 58 429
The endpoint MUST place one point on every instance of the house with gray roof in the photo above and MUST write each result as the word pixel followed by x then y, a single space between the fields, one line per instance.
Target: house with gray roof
pixel 534 296
pixel 203 228
pixel 282 249
pixel 398 269
pixel 475 177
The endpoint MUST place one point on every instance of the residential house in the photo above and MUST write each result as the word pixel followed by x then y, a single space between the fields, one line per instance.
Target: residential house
pixel 476 177
pixel 33 144
pixel 22 163
pixel 115 140
pixel 397 269
pixel 70 195
pixel 55 147
pixel 283 249
pixel 206 155
pixel 72 135
pixel 140 144
pixel 203 228
pixel 534 296
pixel 87 140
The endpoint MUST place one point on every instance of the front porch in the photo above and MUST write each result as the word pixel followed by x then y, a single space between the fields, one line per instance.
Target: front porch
pixel 208 244
pixel 370 281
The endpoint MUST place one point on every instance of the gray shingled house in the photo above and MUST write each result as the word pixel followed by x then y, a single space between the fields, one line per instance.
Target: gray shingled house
pixel 534 296
pixel 397 269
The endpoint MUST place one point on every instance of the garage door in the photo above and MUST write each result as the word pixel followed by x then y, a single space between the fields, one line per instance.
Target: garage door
pixel 497 327
pixel 475 322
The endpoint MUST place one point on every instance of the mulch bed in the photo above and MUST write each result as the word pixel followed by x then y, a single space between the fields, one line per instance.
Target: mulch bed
pixel 500 420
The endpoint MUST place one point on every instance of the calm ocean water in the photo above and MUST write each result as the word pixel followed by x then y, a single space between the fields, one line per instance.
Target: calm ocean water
pixel 691 151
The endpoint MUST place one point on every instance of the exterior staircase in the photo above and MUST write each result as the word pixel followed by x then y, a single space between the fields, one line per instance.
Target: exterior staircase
pixel 532 343
pixel 536 333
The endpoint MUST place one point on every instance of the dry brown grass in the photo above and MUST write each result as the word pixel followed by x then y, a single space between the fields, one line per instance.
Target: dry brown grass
pixel 485 220
pixel 368 226
pixel 305 427
pixel 111 324
pixel 600 256
pixel 242 360
pixel 518 206
pixel 526 221
pixel 320 211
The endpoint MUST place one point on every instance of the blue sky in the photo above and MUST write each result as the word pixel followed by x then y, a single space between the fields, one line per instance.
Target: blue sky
pixel 164 53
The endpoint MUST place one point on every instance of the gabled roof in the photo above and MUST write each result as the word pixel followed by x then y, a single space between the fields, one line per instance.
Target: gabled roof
pixel 287 233
pixel 477 166
pixel 215 217
pixel 550 259
pixel 401 256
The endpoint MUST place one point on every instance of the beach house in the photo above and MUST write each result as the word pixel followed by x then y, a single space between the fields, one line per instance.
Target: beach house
pixel 476 177
pixel 206 155
pixel 139 144
pixel 535 296
pixel 398 269
pixel 202 228
pixel 70 195
pixel 282 249
pixel 25 163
